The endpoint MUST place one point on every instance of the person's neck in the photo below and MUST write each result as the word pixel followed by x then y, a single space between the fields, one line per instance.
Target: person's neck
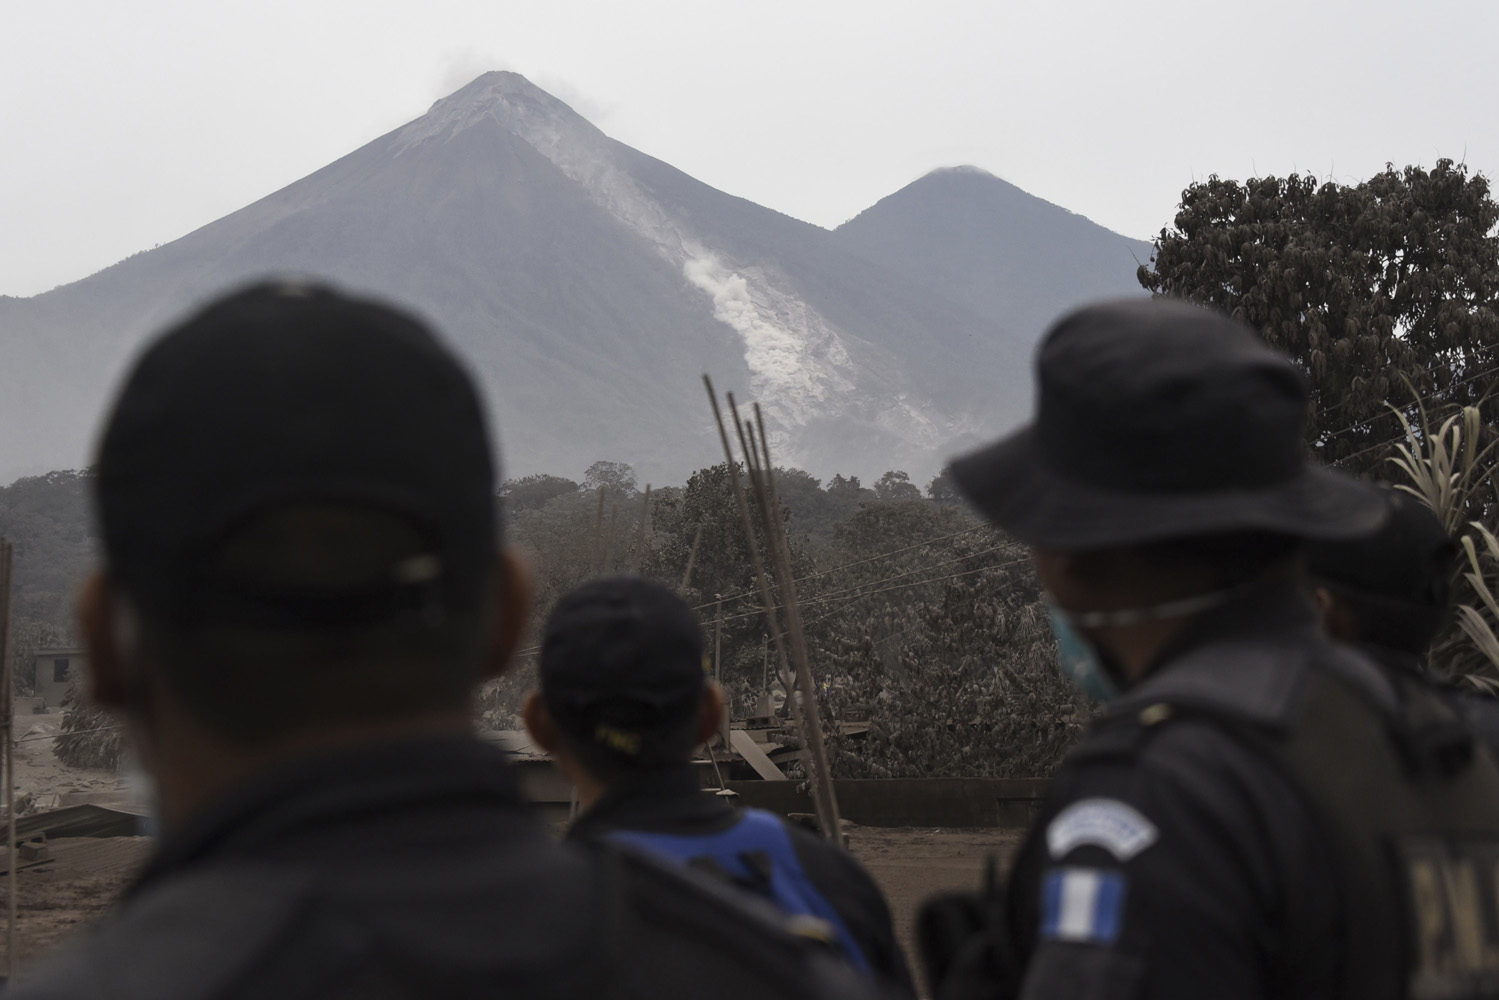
pixel 193 767
pixel 1135 648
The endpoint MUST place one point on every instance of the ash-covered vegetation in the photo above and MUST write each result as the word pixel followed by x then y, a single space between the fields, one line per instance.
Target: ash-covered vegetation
pixel 922 621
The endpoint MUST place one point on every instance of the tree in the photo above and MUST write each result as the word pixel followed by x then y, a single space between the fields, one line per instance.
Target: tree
pixel 1365 286
pixel 933 632
pixel 534 492
pixel 616 478
pixel 943 488
pixel 896 485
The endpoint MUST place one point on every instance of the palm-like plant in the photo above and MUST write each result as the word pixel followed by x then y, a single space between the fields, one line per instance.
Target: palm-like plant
pixel 1451 470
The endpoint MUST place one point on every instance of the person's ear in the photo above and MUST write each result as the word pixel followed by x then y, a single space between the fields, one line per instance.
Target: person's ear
pixel 710 721
pixel 1336 621
pixel 509 612
pixel 539 723
pixel 99 621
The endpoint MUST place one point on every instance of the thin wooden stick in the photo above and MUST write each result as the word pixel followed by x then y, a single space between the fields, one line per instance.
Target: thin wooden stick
pixel 752 473
pixel 808 723
pixel 761 578
pixel 780 549
pixel 8 680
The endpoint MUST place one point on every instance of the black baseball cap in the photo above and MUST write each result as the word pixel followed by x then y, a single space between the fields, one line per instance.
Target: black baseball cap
pixel 1410 559
pixel 1158 419
pixel 622 666
pixel 290 393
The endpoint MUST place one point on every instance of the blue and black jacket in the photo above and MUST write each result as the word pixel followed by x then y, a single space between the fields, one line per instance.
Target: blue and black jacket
pixel 667 814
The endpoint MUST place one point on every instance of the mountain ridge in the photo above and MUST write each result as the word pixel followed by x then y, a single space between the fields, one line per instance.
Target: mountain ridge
pixel 586 283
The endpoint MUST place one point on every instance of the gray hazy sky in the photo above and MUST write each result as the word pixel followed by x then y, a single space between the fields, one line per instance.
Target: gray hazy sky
pixel 124 125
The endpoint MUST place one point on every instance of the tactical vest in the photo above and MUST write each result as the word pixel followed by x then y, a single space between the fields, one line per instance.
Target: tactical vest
pixel 1409 801
pixel 757 854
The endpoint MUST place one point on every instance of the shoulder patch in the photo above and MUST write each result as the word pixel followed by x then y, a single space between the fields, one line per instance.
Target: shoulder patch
pixel 1085 905
pixel 1115 826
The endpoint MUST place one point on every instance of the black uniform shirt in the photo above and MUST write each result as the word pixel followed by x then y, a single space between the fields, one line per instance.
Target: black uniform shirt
pixel 414 870
pixel 672 801
pixel 1479 711
pixel 1174 861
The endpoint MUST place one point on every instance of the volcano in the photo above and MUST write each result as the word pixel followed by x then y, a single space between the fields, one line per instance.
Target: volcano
pixel 589 285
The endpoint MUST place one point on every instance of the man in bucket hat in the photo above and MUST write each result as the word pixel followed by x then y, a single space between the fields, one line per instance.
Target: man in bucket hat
pixel 1258 811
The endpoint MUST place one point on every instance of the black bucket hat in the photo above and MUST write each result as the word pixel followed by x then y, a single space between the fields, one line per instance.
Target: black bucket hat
pixel 1158 419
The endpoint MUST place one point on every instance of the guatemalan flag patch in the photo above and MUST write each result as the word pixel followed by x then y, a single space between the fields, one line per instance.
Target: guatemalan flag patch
pixel 1082 904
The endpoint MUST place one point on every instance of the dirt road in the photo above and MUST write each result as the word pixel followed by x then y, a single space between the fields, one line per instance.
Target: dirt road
pixel 82 877
pixel 912 865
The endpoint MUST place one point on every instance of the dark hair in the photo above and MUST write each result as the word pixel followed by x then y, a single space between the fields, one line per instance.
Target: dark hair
pixel 1232 558
pixel 251 681
pixel 671 748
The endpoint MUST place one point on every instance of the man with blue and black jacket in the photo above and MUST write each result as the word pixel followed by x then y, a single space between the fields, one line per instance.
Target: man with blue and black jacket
pixel 624 701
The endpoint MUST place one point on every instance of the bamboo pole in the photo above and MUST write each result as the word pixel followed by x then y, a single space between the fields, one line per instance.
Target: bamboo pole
pixel 780 550
pixel 761 578
pixel 8 681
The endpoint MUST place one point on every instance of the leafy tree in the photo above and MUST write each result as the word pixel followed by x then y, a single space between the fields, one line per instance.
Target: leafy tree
pixel 47 519
pixel 943 489
pixel 1365 285
pixel 935 635
pixel 534 492
pixel 845 495
pixel 808 508
pixel 896 485
pixel 616 479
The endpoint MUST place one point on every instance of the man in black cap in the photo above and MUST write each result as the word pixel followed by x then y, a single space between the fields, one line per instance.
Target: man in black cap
pixel 1390 593
pixel 302 589
pixel 624 701
pixel 1258 811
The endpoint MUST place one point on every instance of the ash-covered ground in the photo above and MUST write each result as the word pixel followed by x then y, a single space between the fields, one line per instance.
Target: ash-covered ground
pixel 78 879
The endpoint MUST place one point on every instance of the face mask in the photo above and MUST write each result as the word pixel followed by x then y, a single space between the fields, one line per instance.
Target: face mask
pixel 1078 660
pixel 140 793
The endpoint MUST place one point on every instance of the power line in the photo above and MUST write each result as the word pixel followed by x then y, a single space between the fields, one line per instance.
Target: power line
pixel 857 562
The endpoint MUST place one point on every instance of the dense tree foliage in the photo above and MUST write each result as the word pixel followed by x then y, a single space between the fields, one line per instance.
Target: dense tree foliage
pixel 922 621
pixel 47 519
pixel 615 478
pixel 533 492
pixel 1366 285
